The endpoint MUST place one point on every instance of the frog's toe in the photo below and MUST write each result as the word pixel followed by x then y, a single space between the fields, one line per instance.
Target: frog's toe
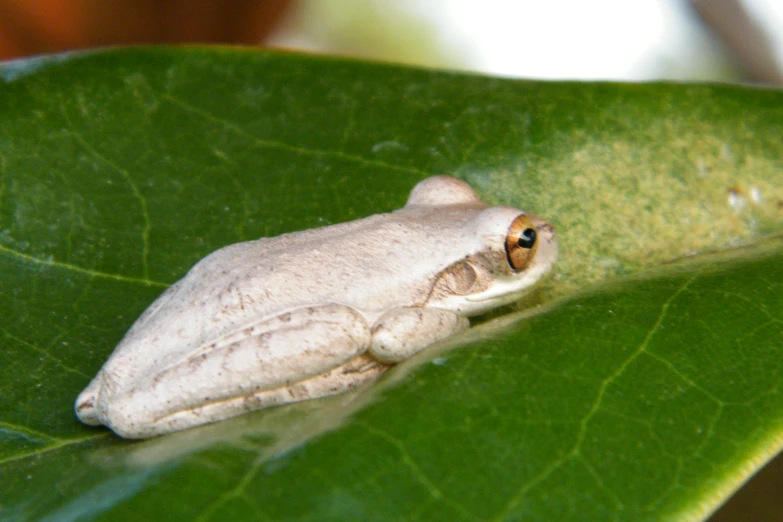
pixel 85 406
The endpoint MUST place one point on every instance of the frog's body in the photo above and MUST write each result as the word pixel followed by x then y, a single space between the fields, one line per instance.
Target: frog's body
pixel 313 313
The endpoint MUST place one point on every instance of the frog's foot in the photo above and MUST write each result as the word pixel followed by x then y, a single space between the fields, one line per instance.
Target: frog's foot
pixel 403 332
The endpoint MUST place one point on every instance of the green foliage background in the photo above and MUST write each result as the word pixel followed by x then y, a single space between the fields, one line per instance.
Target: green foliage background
pixel 641 389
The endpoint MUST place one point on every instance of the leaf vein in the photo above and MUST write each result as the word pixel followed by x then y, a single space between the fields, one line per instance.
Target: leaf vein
pixel 81 270
pixel 145 234
pixel 642 349
pixel 264 143
pixel 411 464
pixel 56 443
pixel 237 492
pixel 44 352
pixel 574 452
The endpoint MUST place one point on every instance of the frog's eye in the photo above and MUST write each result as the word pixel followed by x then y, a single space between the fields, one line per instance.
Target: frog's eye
pixel 521 244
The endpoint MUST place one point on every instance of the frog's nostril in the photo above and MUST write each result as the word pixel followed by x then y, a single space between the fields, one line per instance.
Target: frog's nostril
pixel 545 227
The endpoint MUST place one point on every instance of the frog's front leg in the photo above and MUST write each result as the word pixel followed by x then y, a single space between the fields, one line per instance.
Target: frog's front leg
pixel 400 333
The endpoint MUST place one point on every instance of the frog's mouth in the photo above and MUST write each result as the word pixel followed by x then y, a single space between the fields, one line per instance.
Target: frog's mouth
pixel 502 292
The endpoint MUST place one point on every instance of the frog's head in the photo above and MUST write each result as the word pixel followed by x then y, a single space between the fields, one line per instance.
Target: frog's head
pixel 511 251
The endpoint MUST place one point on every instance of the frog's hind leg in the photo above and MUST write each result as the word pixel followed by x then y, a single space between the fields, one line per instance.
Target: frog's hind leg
pixel 275 355
pixel 360 370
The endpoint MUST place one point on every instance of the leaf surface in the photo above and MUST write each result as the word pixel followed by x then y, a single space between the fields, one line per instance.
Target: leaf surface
pixel 622 398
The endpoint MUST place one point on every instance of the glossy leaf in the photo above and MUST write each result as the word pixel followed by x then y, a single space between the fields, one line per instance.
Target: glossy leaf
pixel 648 399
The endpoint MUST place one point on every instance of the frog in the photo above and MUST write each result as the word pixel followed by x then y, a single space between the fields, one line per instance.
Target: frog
pixel 318 312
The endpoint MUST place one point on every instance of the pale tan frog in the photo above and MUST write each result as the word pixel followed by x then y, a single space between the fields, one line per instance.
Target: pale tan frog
pixel 317 312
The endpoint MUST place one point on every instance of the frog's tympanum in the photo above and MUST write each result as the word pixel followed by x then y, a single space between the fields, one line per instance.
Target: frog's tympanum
pixel 318 312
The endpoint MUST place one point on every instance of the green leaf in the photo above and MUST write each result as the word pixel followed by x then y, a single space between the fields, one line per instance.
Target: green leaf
pixel 647 396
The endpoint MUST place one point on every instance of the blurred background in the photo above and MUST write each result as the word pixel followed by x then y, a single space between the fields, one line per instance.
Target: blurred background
pixel 630 40
pixel 715 40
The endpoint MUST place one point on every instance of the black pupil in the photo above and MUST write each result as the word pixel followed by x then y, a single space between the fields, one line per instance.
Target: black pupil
pixel 528 238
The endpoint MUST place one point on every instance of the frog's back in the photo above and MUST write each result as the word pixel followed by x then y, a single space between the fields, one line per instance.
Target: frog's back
pixel 372 265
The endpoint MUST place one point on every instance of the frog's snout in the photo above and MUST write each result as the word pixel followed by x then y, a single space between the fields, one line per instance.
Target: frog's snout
pixel 545 228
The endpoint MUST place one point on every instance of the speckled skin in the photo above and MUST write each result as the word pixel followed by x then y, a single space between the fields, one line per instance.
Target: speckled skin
pixel 311 313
